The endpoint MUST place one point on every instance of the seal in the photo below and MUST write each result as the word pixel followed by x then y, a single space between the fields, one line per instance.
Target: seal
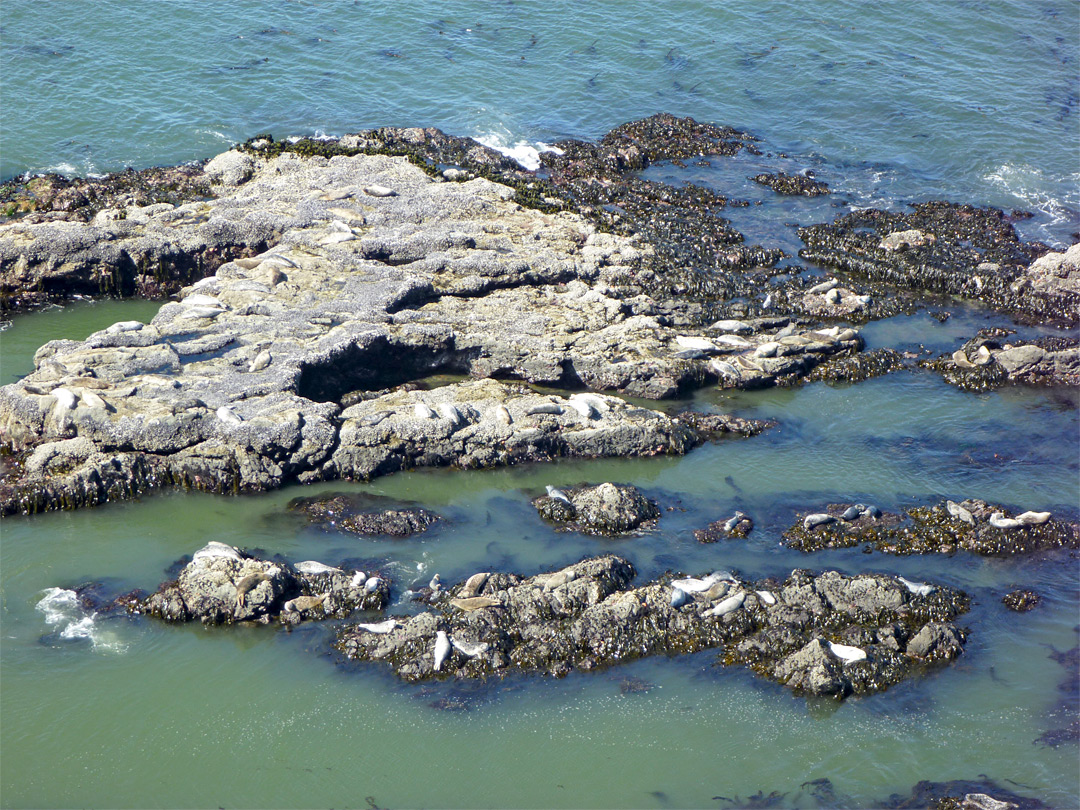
pixel 818 519
pixel 585 409
pixel 262 359
pixel 729 605
pixel 558 579
pixel 557 494
pixel 471 650
pixel 302 604
pixel 766 597
pixel 473 585
pixel 315 567
pixel 679 597
pixel 501 414
pixel 442 649
pixel 999 521
pixel 450 412
pixel 846 653
pixel 917 588
pixel 214 549
pixel 372 584
pixel 553 408
pixel 248 583
pixel 959 512
pixel 423 411
pixel 472 603
pixel 1033 518
pixel 228 415
pixel 380 628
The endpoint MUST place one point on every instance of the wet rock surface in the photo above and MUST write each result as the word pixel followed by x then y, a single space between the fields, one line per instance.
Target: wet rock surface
pixel 224 585
pixel 1021 600
pixel 962 794
pixel 825 634
pixel 803 184
pixel 989 361
pixel 603 509
pixel 970 525
pixel 343 513
pixel 953 249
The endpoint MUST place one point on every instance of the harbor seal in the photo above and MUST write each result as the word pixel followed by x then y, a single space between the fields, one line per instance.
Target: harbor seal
pixel 846 653
pixel 442 649
pixel 471 650
pixel 729 605
pixel 474 584
pixel 472 603
pixel 302 604
pixel 249 583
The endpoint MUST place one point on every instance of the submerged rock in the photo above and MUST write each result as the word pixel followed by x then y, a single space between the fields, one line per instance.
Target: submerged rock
pixel 800 632
pixel 970 525
pixel 800 184
pixel 603 509
pixel 224 585
pixel 346 514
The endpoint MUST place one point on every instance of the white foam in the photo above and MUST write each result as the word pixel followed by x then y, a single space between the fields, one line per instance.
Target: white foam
pixel 62 609
pixel 524 152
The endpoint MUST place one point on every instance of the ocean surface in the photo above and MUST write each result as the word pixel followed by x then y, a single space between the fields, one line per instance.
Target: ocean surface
pixel 972 101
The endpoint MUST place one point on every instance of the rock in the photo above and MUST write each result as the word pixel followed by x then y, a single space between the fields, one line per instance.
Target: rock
pixel 587 616
pixel 222 585
pixel 936 641
pixel 953 249
pixel 604 509
pixel 944 528
pixel 1021 600
pixel 230 168
pixel 345 514
pixel 803 184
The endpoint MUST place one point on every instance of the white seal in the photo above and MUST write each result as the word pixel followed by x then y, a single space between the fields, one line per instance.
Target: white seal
pixel 729 605
pixel 917 588
pixel 846 653
pixel 442 649
pixel 380 628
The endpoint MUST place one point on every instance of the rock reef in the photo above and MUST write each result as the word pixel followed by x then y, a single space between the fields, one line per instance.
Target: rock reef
pixel 970 525
pixel 224 585
pixel 825 634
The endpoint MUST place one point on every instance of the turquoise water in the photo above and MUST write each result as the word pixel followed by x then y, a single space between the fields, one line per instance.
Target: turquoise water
pixel 972 100
pixel 133 713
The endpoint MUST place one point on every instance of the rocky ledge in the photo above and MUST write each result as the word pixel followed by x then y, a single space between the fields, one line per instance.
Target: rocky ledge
pixel 293 364
pixel 971 525
pixel 824 634
pixel 224 585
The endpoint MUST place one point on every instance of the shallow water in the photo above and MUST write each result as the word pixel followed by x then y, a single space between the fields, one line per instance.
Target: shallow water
pixel 970 101
pixel 141 714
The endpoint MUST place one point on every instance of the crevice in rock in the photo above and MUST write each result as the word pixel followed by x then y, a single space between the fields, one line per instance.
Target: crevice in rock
pixel 381 363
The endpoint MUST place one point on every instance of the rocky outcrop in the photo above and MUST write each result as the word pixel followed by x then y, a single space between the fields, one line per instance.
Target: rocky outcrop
pixel 989 361
pixel 289 365
pixel 793 184
pixel 345 513
pixel 971 525
pixel 738 525
pixel 825 634
pixel 604 509
pixel 224 585
pixel 954 249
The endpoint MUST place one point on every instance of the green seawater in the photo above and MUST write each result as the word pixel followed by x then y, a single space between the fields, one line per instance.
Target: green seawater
pixel 135 713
